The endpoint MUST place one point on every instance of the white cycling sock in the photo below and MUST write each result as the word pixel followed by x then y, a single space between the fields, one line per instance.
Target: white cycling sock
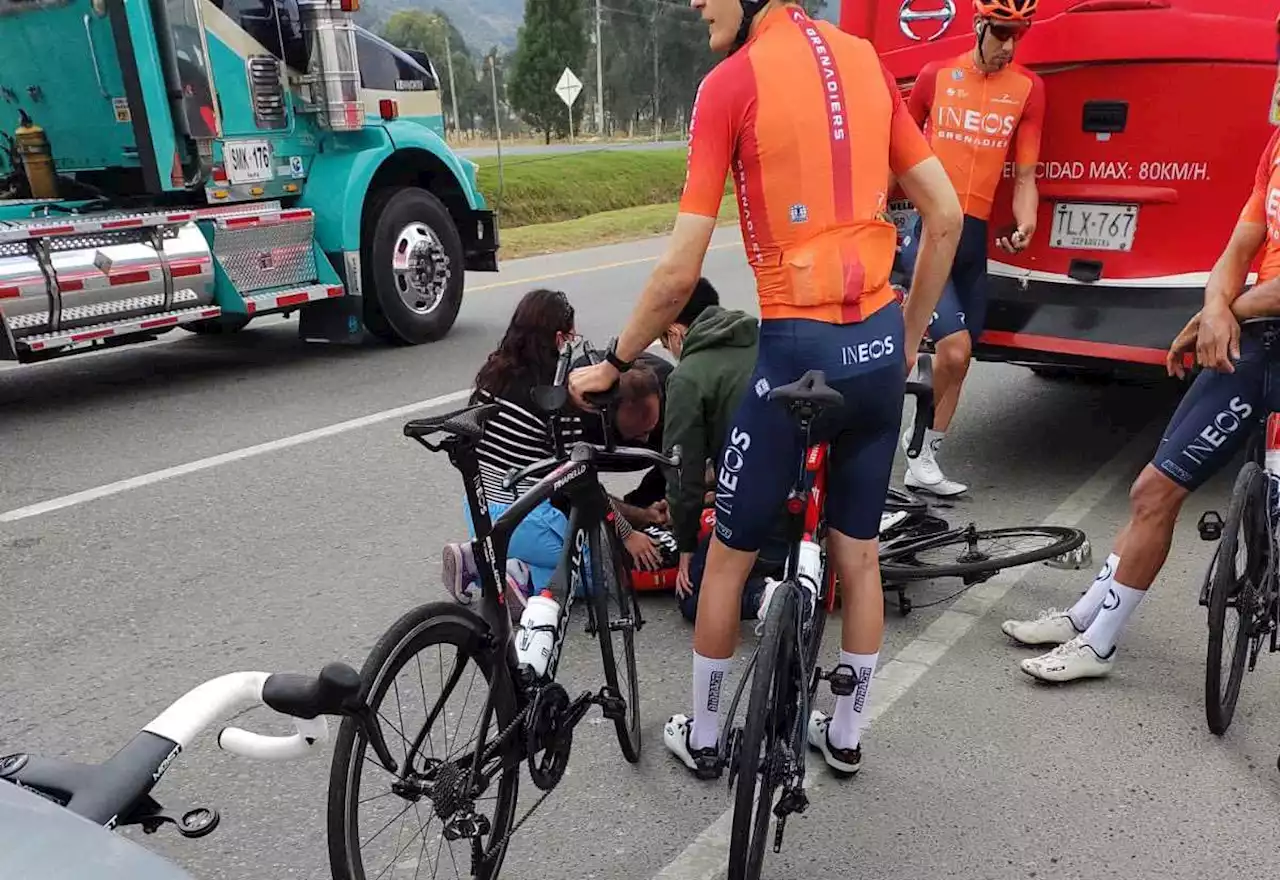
pixel 1087 606
pixel 851 711
pixel 1120 603
pixel 708 686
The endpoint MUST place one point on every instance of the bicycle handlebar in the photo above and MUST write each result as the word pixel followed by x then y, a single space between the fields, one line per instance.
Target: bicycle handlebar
pixel 305 699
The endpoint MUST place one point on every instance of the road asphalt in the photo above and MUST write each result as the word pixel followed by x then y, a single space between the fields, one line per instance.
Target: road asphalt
pixel 250 502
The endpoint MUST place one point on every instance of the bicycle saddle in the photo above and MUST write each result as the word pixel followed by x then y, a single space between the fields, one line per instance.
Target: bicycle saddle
pixel 467 422
pixel 811 388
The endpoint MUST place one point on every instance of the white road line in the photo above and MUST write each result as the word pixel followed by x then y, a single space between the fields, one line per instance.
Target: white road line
pixel 192 467
pixel 707 857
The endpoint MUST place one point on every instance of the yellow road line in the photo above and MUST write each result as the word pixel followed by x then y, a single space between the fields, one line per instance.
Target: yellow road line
pixel 534 279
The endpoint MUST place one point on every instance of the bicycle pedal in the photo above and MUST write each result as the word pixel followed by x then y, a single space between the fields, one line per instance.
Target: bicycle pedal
pixel 843 684
pixel 1210 526
pixel 612 706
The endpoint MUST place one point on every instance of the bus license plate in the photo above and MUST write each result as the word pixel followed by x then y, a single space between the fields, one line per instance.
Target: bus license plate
pixel 1081 226
pixel 248 161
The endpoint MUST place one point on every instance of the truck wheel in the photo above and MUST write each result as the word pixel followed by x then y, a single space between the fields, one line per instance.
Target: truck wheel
pixel 413 266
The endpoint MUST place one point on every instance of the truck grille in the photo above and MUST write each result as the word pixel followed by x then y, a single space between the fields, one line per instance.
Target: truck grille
pixel 267 91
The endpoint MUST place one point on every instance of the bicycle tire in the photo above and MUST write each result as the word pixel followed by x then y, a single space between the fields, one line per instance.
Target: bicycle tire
pixel 616 584
pixel 1062 540
pixel 436 623
pixel 772 695
pixel 1247 506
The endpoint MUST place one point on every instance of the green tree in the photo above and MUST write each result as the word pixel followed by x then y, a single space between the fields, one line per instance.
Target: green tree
pixel 553 37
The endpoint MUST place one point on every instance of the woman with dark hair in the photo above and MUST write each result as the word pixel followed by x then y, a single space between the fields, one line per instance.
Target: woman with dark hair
pixel 517 435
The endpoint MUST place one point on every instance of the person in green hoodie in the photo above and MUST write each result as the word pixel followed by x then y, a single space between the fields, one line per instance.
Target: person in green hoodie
pixel 716 352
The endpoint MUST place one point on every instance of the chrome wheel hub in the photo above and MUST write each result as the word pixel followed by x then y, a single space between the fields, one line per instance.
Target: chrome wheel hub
pixel 421 268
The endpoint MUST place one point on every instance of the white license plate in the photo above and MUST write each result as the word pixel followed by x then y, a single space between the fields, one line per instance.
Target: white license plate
pixel 248 161
pixel 1081 226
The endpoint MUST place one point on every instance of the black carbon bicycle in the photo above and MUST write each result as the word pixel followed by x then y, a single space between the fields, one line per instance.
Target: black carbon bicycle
pixel 462 787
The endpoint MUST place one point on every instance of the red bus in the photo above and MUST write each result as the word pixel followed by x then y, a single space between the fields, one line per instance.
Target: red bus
pixel 1156 113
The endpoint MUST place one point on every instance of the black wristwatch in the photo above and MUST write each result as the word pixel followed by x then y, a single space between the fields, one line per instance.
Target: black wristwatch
pixel 611 355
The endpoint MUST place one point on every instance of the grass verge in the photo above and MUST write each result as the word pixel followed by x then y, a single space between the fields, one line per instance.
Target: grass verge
pixel 606 227
pixel 565 186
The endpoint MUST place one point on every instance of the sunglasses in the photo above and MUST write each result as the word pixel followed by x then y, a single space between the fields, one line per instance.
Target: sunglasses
pixel 1006 32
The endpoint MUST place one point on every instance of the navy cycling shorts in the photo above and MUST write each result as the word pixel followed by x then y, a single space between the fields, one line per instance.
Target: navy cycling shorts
pixel 1219 412
pixel 963 304
pixel 763 450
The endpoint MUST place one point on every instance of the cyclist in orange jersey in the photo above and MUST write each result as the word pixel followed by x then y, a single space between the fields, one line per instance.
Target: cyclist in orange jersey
pixel 1226 404
pixel 974 108
pixel 812 126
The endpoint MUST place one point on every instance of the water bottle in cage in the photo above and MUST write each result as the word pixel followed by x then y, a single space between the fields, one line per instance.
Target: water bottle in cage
pixel 809 570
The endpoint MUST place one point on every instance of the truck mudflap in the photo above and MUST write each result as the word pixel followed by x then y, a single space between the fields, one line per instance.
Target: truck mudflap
pixel 479 233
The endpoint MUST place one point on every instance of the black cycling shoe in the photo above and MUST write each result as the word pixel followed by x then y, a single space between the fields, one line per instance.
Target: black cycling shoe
pixel 703 763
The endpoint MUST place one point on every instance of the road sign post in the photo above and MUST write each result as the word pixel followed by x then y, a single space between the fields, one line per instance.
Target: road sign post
pixel 568 88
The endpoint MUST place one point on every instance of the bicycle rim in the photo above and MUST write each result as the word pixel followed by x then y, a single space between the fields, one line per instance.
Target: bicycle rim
pixel 765 737
pixel 403 661
pixel 1240 565
pixel 614 604
pixel 981 551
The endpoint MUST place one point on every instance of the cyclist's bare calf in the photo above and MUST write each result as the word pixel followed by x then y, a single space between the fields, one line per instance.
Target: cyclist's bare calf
pixel 715 631
pixel 1087 632
pixel 950 367
pixel 857 565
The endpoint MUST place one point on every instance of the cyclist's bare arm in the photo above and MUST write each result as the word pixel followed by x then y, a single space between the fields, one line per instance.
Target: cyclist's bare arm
pixel 1218 339
pixel 927 186
pixel 1225 290
pixel 670 285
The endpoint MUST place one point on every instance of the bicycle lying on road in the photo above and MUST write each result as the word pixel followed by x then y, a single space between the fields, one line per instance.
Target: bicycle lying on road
pixel 1247 587
pixel 470 785
pixel 117 792
pixel 783 669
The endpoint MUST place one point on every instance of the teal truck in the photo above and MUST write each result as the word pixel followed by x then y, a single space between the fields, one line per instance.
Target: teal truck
pixel 198 163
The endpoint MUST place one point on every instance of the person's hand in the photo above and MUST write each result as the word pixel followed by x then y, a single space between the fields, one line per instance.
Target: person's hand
pixel 1017 241
pixel 595 379
pixel 644 551
pixel 659 513
pixel 1218 342
pixel 684 586
pixel 1184 342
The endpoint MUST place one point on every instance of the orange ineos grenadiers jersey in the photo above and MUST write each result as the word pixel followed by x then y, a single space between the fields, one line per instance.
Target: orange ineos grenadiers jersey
pixel 971 117
pixel 810 123
pixel 1264 207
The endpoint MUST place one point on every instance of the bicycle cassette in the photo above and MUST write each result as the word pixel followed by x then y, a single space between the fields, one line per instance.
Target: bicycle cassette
pixel 548 737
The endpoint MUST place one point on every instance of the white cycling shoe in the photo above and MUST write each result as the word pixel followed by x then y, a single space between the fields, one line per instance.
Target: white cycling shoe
pixel 703 763
pixel 1052 627
pixel 1069 661
pixel 924 474
pixel 843 762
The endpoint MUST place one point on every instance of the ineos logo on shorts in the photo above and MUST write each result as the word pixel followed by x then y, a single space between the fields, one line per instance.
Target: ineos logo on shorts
pixel 1220 429
pixel 731 464
pixel 867 351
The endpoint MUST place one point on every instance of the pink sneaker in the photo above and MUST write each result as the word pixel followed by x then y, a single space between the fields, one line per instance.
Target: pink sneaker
pixel 519 586
pixel 458 573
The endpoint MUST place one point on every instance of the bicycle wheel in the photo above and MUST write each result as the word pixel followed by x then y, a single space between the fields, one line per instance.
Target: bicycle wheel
pixel 616 613
pixel 1238 571
pixel 974 552
pixel 766 737
pixel 438 760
